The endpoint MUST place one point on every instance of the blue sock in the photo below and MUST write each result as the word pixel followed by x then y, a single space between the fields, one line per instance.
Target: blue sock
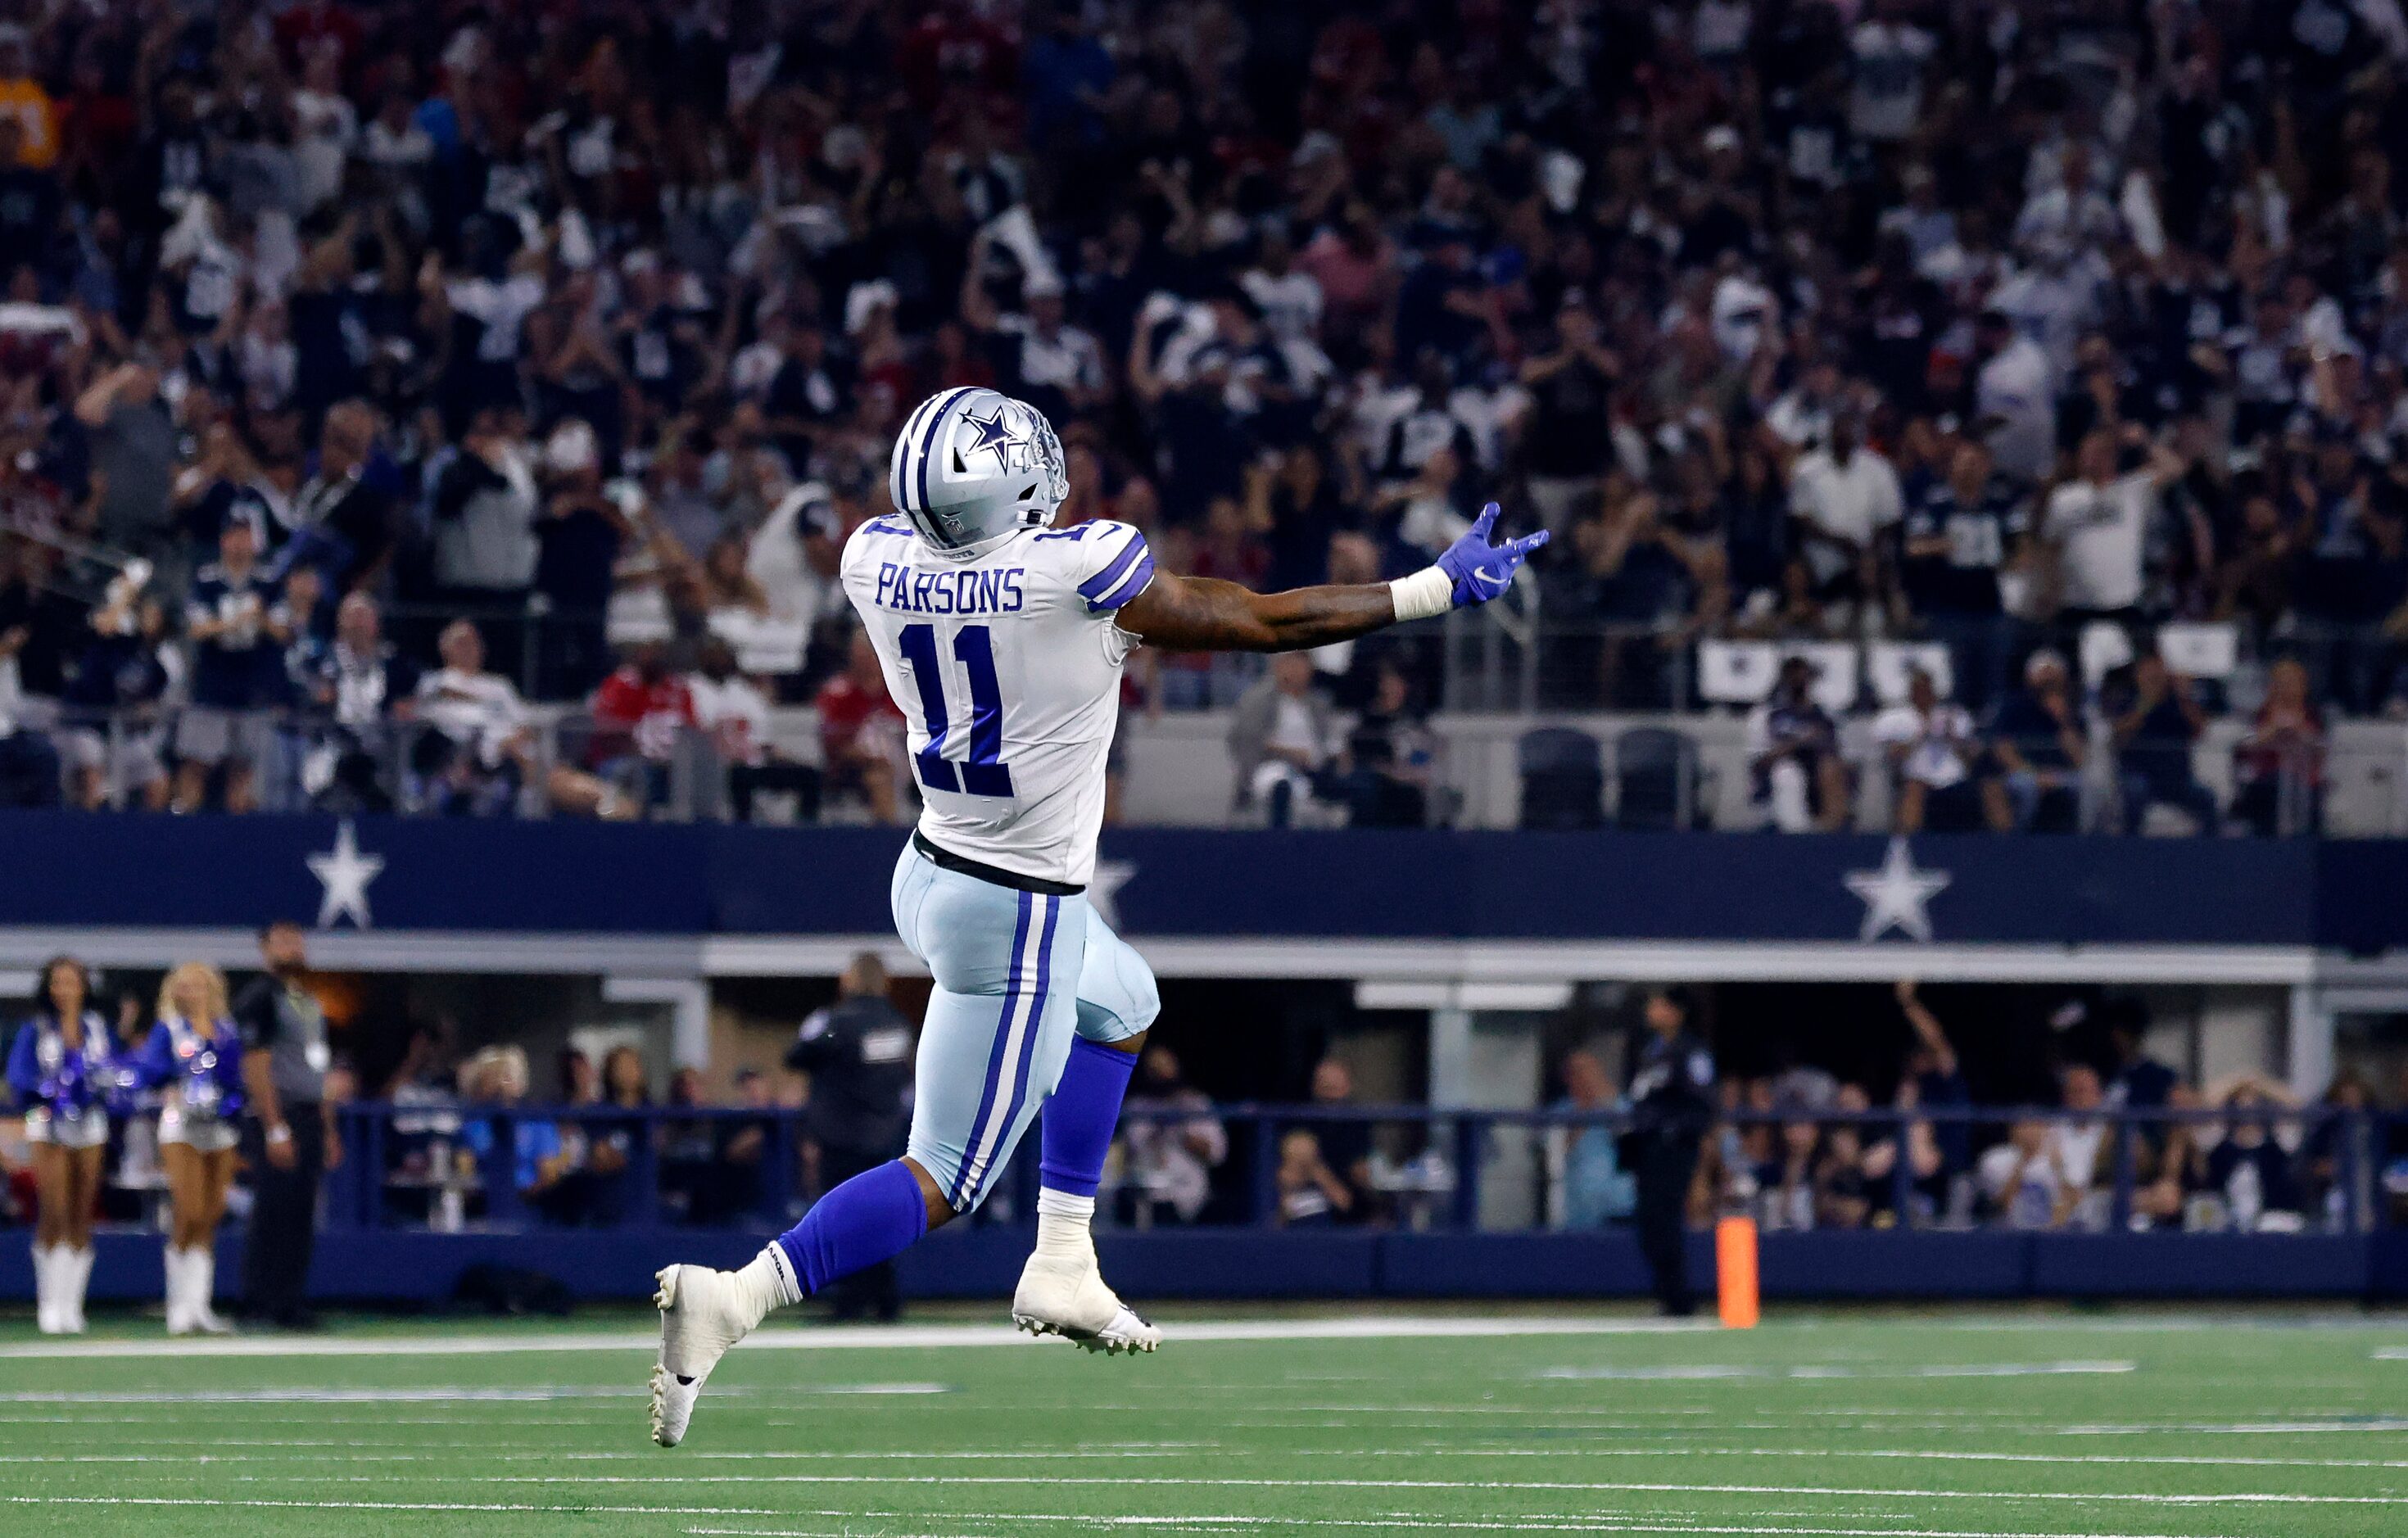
pixel 874 1217
pixel 1080 1118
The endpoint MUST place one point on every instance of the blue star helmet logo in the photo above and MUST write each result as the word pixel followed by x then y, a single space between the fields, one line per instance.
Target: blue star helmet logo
pixel 996 433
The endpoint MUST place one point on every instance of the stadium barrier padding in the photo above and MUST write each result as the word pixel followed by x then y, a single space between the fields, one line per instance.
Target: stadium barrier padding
pixel 418 1268
pixel 561 876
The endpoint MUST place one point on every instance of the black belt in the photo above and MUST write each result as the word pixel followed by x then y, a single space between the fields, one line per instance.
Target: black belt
pixel 945 859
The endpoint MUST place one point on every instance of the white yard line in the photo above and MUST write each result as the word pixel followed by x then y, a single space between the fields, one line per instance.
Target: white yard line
pixel 1185 1523
pixel 2249 1497
pixel 1401 1326
pixel 1843 1371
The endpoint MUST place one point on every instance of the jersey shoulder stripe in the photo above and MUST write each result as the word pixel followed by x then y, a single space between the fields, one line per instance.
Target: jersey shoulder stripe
pixel 1124 573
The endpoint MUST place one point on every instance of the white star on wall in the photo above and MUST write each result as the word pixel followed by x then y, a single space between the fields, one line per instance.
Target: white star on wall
pixel 1898 896
pixel 1104 886
pixel 345 874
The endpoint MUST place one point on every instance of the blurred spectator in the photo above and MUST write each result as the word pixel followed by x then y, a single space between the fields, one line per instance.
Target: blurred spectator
pixel 238 626
pixel 1341 1148
pixel 1385 774
pixel 2038 738
pixel 640 715
pixel 362 683
pixel 734 715
pixel 2278 768
pixel 1938 764
pixel 1310 1194
pixel 537 1162
pixel 2158 720
pixel 1170 1154
pixel 477 755
pixel 861 733
pixel 1846 497
pixel 1933 1080
pixel 1282 738
pixel 1794 761
pixel 2247 1167
pixel 1588 1186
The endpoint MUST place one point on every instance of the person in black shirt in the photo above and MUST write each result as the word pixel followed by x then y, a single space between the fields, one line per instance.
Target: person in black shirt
pixel 1671 1100
pixel 1567 441
pixel 1955 537
pixel 2156 722
pixel 578 534
pixel 2037 736
pixel 858 1054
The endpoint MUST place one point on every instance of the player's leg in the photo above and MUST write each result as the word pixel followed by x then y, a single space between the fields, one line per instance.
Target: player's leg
pixel 187 1200
pixel 998 1028
pixel 1062 1291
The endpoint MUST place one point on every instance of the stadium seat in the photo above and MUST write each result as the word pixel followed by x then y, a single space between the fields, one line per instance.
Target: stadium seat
pixel 1889 664
pixel 1655 779
pixel 1736 672
pixel 1563 778
pixel 2199 650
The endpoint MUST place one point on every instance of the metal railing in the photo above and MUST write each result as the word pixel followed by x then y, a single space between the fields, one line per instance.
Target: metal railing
pixel 453 1166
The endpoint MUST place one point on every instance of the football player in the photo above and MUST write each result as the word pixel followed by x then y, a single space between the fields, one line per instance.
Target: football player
pixel 1004 638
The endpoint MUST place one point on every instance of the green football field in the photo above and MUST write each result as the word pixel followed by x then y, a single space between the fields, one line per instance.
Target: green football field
pixel 1907 1423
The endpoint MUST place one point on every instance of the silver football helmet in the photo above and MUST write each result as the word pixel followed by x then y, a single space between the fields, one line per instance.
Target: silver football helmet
pixel 972 465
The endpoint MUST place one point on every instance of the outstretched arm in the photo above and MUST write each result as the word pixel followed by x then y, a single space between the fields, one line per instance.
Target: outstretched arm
pixel 1199 614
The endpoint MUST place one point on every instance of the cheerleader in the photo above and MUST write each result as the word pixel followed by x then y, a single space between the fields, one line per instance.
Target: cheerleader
pixel 193 1059
pixel 62 1072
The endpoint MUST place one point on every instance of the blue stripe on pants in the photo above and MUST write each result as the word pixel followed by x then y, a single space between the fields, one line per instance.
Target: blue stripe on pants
pixel 994 1057
pixel 1028 1041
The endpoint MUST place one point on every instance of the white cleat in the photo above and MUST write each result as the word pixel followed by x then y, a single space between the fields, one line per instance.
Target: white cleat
pixel 702 1315
pixel 1062 1296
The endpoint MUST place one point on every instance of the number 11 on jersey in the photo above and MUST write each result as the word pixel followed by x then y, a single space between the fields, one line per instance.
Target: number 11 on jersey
pixel 984 773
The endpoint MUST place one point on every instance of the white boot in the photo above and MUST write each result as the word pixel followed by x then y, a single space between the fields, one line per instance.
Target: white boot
pixel 179 1285
pixel 46 1289
pixel 703 1314
pixel 201 1285
pixel 1062 1291
pixel 74 1267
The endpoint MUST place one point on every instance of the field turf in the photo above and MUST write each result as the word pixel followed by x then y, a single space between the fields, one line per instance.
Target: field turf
pixel 1909 1424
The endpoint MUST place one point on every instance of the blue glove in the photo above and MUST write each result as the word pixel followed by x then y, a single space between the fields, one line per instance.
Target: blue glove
pixel 1480 571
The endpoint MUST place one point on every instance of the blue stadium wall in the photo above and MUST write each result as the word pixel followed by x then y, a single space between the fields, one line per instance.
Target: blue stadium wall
pixel 984 1261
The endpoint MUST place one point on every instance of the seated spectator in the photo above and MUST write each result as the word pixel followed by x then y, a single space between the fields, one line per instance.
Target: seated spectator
pixel 1793 748
pixel 479 750
pixel 1588 1186
pixel 2249 1170
pixel 1281 738
pixel 1786 1183
pixel 2038 739
pixel 360 683
pixel 2278 769
pixel 538 1164
pixel 2327 1166
pixel 2156 722
pixel 1844 1194
pixel 238 628
pixel 1311 1195
pixel 734 715
pixel 1936 762
pixel 640 712
pixel 1343 1146
pixel 1386 773
pixel 1168 1161
pixel 861 733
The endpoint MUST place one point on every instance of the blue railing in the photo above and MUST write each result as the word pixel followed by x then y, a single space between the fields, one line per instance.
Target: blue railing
pixel 460 1167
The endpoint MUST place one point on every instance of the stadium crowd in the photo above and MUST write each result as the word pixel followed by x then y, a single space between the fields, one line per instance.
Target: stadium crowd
pixel 377 368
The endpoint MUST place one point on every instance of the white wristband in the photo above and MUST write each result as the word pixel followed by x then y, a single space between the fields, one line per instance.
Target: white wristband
pixel 1425 595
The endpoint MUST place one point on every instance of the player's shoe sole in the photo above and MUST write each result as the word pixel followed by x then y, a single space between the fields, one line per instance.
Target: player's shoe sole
pixel 698 1325
pixel 1129 1332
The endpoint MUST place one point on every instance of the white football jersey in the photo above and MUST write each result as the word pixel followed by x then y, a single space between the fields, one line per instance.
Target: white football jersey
pixel 1007 667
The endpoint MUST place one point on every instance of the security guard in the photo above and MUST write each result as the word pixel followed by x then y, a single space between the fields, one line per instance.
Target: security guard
pixel 1671 1096
pixel 293 1141
pixel 858 1054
